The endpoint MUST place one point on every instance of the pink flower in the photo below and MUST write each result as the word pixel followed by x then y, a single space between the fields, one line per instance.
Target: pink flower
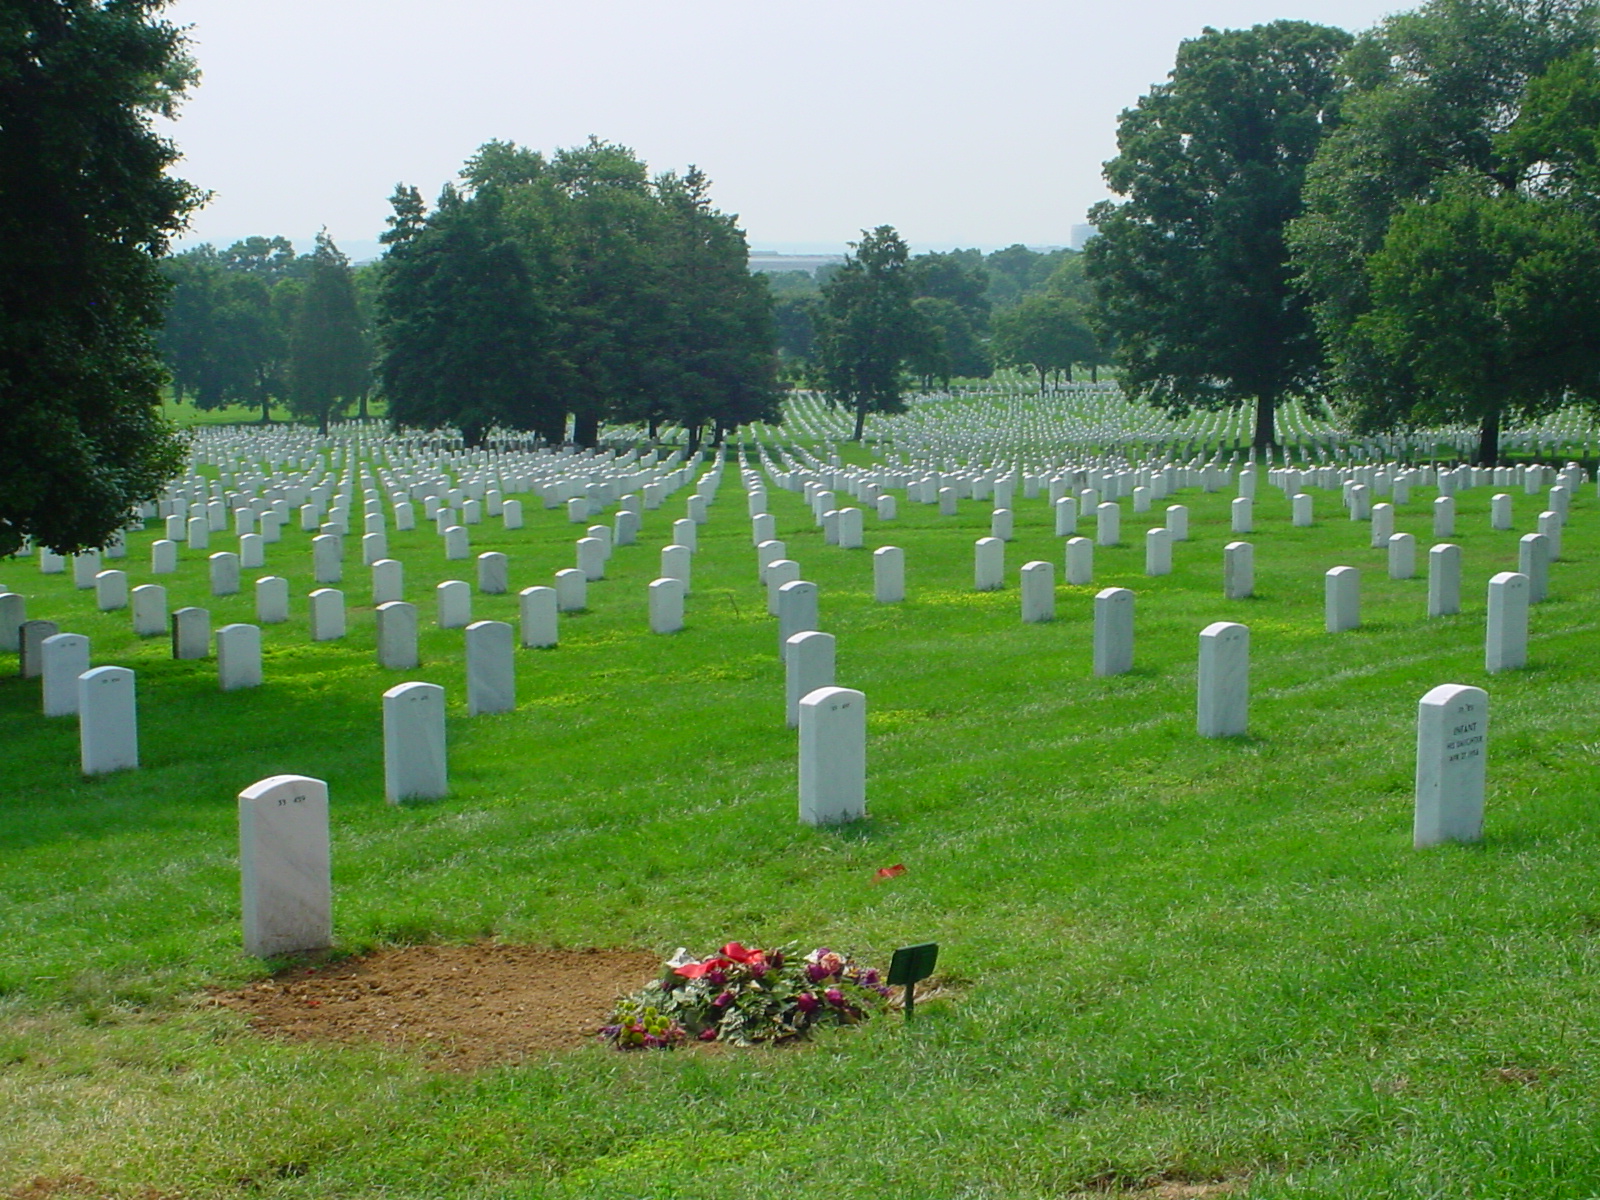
pixel 834 997
pixel 725 999
pixel 708 1035
pixel 807 1002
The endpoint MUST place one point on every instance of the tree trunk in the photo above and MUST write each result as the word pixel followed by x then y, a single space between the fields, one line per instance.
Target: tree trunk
pixel 694 440
pixel 1489 438
pixel 861 419
pixel 1094 373
pixel 586 428
pixel 1040 369
pixel 363 404
pixel 1266 422
pixel 653 427
pixel 266 409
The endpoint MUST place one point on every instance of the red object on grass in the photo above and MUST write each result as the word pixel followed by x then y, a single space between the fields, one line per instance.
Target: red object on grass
pixel 889 872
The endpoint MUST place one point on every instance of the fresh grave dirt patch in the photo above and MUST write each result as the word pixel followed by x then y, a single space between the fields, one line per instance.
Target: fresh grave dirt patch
pixel 464 1007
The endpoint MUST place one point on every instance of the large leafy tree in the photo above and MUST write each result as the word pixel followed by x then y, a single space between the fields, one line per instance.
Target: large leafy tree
pixel 328 356
pixel 1448 237
pixel 1191 270
pixel 869 330
pixel 1048 332
pixel 465 335
pixel 86 208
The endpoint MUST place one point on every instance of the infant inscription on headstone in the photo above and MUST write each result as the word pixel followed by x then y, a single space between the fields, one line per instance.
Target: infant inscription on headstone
pixel 1452 740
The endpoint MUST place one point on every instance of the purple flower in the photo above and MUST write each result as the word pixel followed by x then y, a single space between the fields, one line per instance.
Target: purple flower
pixel 869 977
pixel 717 977
pixel 807 1002
pixel 816 972
pixel 723 1000
pixel 708 1035
pixel 834 997
pixel 757 970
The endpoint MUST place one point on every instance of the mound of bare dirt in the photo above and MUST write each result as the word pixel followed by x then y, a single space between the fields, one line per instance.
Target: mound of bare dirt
pixel 464 1007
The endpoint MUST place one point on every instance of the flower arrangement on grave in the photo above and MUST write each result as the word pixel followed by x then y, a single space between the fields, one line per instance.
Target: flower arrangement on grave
pixel 744 996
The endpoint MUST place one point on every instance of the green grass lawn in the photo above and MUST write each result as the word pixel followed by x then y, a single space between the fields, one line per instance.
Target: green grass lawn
pixel 1164 958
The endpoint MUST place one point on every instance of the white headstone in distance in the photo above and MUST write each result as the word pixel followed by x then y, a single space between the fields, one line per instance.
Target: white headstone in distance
pixel 1452 741
pixel 388 581
pixel 454 604
pixel 252 551
pixel 537 608
pixel 1038 592
pixel 1113 631
pixel 1108 524
pixel 457 546
pixel 1500 510
pixel 238 657
pixel 1382 526
pixel 888 508
pixel 1066 510
pixel 491 668
pixel 1302 510
pixel 1158 551
pixel 666 605
pixel 685 533
pixel 1002 524
pixel 111 590
pixel 1550 525
pixel 1402 556
pixel 578 510
pixel 1506 629
pixel 13 612
pixel 625 528
pixel 797 610
pixel 493 573
pixel 327 614
pixel 397 635
pixel 1533 560
pixel 85 567
pixel 224 568
pixel 809 662
pixel 888 575
pixel 108 721
pixel 763 528
pixel 50 563
pixel 1238 571
pixel 572 590
pixel 285 882
pixel 30 641
pixel 591 558
pixel 779 572
pixel 64 656
pixel 1341 599
pixel 851 529
pixel 1444 517
pixel 768 552
pixel 989 564
pixel 405 517
pixel 163 557
pixel 413 743
pixel 1141 499
pixel 1080 561
pixel 947 501
pixel 191 633
pixel 1444 580
pixel 1223 692
pixel 510 515
pixel 676 561
pixel 1242 513
pixel 326 565
pixel 833 756
pixel 272 600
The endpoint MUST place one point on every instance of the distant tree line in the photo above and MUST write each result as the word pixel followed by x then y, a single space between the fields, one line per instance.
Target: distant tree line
pixel 1406 223
pixel 576 287
pixel 257 325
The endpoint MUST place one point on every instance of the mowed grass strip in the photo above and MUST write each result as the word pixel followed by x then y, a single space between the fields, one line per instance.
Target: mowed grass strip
pixel 1164 959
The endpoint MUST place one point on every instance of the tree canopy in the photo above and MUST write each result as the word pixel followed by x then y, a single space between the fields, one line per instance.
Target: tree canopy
pixel 1450 235
pixel 869 330
pixel 1191 270
pixel 86 208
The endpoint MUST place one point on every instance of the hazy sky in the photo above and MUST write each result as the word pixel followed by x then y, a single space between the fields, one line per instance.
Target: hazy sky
pixel 966 122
